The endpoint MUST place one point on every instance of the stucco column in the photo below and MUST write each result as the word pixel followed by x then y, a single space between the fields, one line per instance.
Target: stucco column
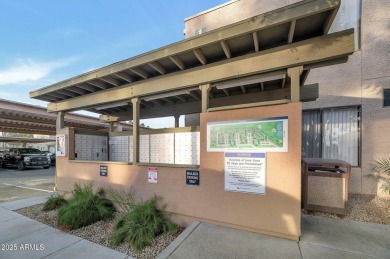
pixel 60 123
pixel 135 101
pixel 205 96
pixel 177 117
pixel 294 73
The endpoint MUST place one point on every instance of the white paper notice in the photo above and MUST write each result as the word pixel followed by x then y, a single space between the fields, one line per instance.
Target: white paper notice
pixel 245 172
pixel 152 174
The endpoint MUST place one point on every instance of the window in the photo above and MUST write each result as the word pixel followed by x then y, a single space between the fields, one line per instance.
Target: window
pixel 332 133
pixel 386 97
pixel 200 31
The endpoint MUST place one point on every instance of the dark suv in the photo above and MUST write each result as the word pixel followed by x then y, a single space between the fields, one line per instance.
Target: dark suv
pixel 25 157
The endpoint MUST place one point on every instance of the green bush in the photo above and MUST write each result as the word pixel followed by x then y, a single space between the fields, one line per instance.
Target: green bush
pixel 54 202
pixel 124 201
pixel 141 225
pixel 380 170
pixel 85 207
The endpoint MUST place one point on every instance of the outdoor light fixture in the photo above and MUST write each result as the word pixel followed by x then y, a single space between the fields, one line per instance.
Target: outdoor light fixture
pixel 170 94
pixel 250 80
pixel 110 105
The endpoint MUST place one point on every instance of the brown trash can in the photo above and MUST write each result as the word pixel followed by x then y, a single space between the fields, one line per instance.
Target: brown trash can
pixel 325 185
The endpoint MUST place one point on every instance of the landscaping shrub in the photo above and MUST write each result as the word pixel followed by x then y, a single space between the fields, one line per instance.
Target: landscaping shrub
pixel 124 201
pixel 54 202
pixel 380 170
pixel 141 225
pixel 85 207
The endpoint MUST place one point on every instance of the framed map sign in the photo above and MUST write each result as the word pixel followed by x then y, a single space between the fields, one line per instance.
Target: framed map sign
pixel 260 135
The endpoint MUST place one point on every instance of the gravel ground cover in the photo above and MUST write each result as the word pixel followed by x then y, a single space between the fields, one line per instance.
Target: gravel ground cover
pixel 100 232
pixel 362 207
pixel 367 208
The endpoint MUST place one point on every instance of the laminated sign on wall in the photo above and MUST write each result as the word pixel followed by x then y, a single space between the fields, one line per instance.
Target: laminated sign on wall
pixel 245 172
pixel 152 174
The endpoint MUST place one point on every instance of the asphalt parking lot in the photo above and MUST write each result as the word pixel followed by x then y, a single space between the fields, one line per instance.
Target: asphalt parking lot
pixel 16 184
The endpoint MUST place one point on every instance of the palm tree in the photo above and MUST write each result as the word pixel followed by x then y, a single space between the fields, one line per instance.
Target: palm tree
pixel 380 170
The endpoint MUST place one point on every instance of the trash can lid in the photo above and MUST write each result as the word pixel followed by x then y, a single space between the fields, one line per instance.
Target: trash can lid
pixel 324 162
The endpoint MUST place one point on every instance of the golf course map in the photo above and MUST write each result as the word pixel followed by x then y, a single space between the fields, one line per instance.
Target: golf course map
pixel 266 135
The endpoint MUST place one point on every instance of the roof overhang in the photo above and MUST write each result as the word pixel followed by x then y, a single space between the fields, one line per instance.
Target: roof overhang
pixel 25 140
pixel 18 117
pixel 168 79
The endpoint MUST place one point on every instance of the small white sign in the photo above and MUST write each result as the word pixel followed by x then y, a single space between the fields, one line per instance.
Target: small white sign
pixel 61 145
pixel 245 172
pixel 152 174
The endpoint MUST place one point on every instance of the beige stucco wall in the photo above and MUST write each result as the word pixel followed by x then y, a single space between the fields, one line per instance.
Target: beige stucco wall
pixel 230 12
pixel 276 213
pixel 360 81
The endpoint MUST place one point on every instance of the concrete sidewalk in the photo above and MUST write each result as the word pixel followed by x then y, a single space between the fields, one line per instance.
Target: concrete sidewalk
pixel 321 238
pixel 21 237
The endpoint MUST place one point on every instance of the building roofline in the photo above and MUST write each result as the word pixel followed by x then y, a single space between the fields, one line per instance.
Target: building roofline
pixel 210 10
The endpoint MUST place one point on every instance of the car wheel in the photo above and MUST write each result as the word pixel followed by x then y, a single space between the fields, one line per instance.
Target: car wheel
pixel 21 166
pixel 46 167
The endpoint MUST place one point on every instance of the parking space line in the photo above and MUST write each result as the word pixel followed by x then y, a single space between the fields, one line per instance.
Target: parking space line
pixel 24 187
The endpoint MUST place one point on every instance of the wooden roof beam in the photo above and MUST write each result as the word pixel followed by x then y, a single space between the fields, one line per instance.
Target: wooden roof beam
pixel 180 98
pixel 255 41
pixel 77 90
pixel 226 91
pixel 111 81
pixel 27 126
pixel 158 102
pixel 195 95
pixel 284 81
pixel 168 100
pixel 178 62
pixel 226 49
pixel 307 93
pixel 330 20
pixel 139 71
pixel 54 97
pixel 125 76
pixel 87 87
pixel 159 68
pixel 291 31
pixel 28 131
pixel 98 84
pixel 200 56
pixel 329 47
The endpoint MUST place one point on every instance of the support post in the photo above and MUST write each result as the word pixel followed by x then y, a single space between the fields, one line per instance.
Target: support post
pixel 135 101
pixel 60 123
pixel 205 96
pixel 110 126
pixel 177 117
pixel 294 73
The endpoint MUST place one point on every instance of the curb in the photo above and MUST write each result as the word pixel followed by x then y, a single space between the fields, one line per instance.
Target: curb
pixel 178 241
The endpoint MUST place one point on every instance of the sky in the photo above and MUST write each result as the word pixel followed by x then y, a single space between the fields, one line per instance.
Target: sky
pixel 44 41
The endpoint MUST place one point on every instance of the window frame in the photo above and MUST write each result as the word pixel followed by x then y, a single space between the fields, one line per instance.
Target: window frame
pixel 359 112
pixel 386 90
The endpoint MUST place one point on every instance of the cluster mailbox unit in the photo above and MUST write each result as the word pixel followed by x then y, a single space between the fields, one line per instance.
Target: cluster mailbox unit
pixel 91 147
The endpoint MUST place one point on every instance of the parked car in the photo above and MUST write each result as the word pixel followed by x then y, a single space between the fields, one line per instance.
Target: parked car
pixel 26 157
pixel 1 156
pixel 51 155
